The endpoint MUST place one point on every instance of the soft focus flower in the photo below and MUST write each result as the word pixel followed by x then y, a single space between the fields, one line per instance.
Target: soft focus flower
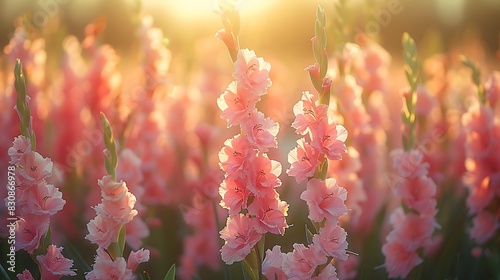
pixel 484 225
pixel 409 164
pixel 399 260
pixel 325 199
pixel 271 266
pixel 137 257
pixel 25 275
pixel 20 147
pixel 239 236
pixel 54 265
pixel 414 231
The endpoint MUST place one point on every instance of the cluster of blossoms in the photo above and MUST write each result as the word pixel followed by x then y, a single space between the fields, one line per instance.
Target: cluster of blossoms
pixel 482 147
pixel 324 140
pixel 107 230
pixel 38 201
pixel 248 190
pixel 413 230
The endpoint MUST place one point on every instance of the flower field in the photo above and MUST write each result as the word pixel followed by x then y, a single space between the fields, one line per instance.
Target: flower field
pixel 250 139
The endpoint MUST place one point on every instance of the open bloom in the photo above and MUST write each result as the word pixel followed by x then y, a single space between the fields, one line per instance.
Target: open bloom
pixel 304 160
pixel 20 146
pixel 120 210
pixel 236 103
pixel 43 198
pixel 106 268
pixel 325 199
pixel 111 190
pixel 302 261
pixel 26 275
pixel 54 265
pixel 270 213
pixel 263 175
pixel 102 231
pixel 329 138
pixel 332 240
pixel 308 113
pixel 234 195
pixel 35 167
pixel 137 257
pixel 239 236
pixel 233 155
pixel 252 72
pixel 399 260
pixel 271 266
pixel 260 131
pixel 29 230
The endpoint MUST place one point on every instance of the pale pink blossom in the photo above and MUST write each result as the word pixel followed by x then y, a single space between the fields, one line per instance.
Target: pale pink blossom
pixel 303 159
pixel 348 269
pixel 330 138
pixel 328 273
pixel 234 195
pixel 409 164
pixel 34 167
pixel 260 131
pixel 484 226
pixel 270 213
pixel 263 175
pixel 399 260
pixel 332 240
pixel 25 275
pixel 129 168
pixel 308 113
pixel 425 101
pixel 240 236
pixel 418 193
pixel 325 199
pixel 102 231
pixel 136 230
pixel 54 265
pixel 137 257
pixel 271 266
pixel 29 230
pixel 122 211
pixel 480 196
pixel 252 72
pixel 492 88
pixel 106 268
pixel 347 91
pixel 236 103
pixel 414 231
pixel 233 155
pixel 111 190
pixel 20 147
pixel 302 261
pixel 43 198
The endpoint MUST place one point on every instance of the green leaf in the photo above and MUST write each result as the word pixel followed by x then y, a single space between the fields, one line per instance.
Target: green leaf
pixel 4 273
pixel 121 239
pixel 47 240
pixel 309 235
pixel 248 273
pixel 79 260
pixel 171 273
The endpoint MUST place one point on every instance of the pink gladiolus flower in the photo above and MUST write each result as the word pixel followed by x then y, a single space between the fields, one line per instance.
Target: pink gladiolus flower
pixel 332 240
pixel 304 160
pixel 325 199
pixel 54 265
pixel 26 275
pixel 347 90
pixel 270 213
pixel 236 103
pixel 484 225
pixel 330 139
pixel 302 261
pixel 105 268
pixel 271 266
pixel 35 167
pixel 425 101
pixel 399 260
pixel 480 196
pixel 111 190
pixel 129 168
pixel 102 231
pixel 328 273
pixel 409 164
pixel 239 236
pixel 418 193
pixel 43 198
pixel 263 175
pixel 308 113
pixel 492 88
pixel 233 155
pixel 29 230
pixel 252 72
pixel 414 231
pixel 260 131
pixel 137 257
pixel 122 211
pixel 234 195
pixel 20 147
